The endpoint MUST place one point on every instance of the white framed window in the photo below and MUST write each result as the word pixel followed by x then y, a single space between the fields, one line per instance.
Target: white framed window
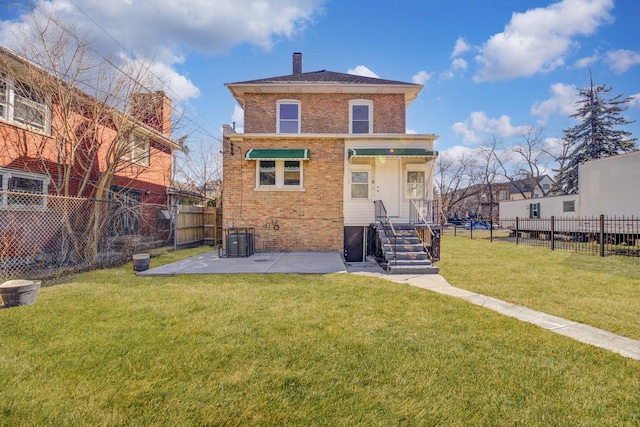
pixel 534 210
pixel 23 189
pixel 138 150
pixel 360 182
pixel 502 195
pixel 288 112
pixel 569 206
pixel 23 105
pixel 360 116
pixel 483 198
pixel 279 174
pixel 415 182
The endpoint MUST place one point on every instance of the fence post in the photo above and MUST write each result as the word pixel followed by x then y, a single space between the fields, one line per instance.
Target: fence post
pixel 491 230
pixel 553 233
pixel 517 230
pixel 602 235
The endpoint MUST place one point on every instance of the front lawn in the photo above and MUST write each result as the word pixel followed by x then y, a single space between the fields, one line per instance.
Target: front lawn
pixel 110 348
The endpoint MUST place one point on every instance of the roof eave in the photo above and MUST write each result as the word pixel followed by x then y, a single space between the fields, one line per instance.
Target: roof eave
pixel 239 90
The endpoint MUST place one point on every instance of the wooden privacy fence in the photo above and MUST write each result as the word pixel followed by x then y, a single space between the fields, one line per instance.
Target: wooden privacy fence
pixel 198 225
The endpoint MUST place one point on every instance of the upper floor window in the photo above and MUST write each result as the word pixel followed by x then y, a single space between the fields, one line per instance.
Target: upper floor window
pixel 288 116
pixel 23 189
pixel 360 116
pixel 139 150
pixel 502 195
pixel 22 104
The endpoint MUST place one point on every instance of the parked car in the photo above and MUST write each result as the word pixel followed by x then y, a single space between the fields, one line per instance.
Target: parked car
pixel 476 225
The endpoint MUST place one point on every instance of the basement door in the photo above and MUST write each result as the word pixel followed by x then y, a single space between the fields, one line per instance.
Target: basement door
pixel 354 244
pixel 387 181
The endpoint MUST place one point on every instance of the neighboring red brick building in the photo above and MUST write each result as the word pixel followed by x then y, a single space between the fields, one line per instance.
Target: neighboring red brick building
pixel 41 151
pixel 317 149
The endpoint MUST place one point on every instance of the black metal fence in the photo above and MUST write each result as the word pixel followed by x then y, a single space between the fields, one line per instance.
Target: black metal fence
pixel 42 236
pixel 603 236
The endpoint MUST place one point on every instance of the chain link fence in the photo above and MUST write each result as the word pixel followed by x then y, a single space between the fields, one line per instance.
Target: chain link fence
pixel 42 236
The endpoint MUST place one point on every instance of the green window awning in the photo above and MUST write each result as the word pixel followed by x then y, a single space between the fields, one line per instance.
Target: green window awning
pixel 394 152
pixel 277 154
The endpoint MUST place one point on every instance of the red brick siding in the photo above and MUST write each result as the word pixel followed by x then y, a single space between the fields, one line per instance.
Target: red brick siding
pixel 324 113
pixel 308 221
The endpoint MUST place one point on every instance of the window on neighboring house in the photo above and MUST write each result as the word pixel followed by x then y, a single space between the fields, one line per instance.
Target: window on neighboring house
pixel 483 198
pixel 360 184
pixel 139 152
pixel 21 189
pixel 279 174
pixel 569 206
pixel 288 116
pixel 545 186
pixel 415 185
pixel 502 195
pixel 534 210
pixel 360 116
pixel 22 104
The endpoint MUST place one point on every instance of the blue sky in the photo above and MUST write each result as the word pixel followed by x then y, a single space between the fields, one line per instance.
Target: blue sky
pixel 489 68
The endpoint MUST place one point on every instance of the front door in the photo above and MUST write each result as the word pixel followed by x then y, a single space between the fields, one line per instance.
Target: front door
pixel 388 184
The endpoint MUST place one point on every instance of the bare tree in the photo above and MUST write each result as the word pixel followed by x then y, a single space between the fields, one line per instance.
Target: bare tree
pixel 199 170
pixel 454 179
pixel 488 167
pixel 81 121
pixel 524 164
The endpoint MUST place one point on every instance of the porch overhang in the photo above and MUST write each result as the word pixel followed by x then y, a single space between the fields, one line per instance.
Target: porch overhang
pixel 391 152
pixel 277 154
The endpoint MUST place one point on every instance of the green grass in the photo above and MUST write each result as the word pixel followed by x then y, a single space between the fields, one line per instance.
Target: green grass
pixel 601 292
pixel 108 348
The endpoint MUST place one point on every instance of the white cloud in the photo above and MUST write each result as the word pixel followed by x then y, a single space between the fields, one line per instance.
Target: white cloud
pixel 238 118
pixel 161 31
pixel 460 48
pixel 446 75
pixel 361 70
pixel 410 131
pixel 635 101
pixel 587 61
pixel 458 64
pixel 538 40
pixel 421 77
pixel 478 125
pixel 621 60
pixel 562 101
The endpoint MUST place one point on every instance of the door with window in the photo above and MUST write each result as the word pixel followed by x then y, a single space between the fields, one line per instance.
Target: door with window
pixel 387 183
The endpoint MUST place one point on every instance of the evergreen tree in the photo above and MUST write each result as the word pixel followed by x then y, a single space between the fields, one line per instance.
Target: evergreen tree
pixel 596 137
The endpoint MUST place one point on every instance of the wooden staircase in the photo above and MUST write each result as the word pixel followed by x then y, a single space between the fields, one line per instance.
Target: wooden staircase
pixel 409 256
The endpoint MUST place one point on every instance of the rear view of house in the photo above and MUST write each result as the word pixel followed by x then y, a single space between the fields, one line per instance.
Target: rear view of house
pixel 323 160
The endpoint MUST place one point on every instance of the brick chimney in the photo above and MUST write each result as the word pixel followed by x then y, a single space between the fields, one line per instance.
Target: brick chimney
pixel 297 63
pixel 152 109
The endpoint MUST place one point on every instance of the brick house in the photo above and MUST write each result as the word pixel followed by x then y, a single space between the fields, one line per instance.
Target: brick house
pixel 318 149
pixel 32 140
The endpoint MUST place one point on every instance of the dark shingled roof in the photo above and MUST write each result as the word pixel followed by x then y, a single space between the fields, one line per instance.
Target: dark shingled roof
pixel 323 76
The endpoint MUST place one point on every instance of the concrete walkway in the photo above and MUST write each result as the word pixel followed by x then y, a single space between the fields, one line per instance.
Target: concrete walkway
pixel 332 262
pixel 587 334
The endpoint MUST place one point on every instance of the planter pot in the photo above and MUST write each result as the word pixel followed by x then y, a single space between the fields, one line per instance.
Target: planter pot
pixel 19 292
pixel 141 262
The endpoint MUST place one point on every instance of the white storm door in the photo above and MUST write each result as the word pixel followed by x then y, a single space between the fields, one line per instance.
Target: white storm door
pixel 388 184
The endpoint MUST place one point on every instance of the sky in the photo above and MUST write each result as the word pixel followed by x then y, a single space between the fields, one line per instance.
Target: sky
pixel 490 68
